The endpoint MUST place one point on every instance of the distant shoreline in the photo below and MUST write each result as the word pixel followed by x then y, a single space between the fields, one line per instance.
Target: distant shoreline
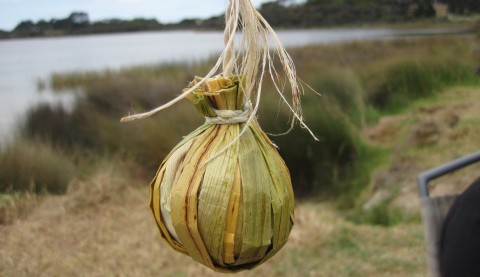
pixel 313 14
pixel 427 30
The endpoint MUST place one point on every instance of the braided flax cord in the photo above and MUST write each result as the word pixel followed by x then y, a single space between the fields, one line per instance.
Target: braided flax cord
pixel 225 117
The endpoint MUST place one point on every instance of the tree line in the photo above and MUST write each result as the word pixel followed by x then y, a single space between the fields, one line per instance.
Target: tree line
pixel 462 7
pixel 280 13
pixel 79 23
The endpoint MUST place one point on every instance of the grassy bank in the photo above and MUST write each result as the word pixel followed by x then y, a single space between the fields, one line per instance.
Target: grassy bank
pixel 358 82
pixel 87 230
pixel 387 111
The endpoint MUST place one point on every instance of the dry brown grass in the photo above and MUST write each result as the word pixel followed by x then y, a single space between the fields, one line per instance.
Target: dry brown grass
pixel 16 206
pixel 103 227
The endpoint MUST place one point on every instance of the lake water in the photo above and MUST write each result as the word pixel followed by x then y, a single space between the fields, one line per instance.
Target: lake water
pixel 25 61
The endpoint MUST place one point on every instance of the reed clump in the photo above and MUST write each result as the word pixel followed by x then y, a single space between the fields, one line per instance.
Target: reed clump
pixel 28 165
pixel 401 81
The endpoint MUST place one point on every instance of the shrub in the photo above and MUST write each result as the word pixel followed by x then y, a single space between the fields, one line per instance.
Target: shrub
pixel 33 166
pixel 400 81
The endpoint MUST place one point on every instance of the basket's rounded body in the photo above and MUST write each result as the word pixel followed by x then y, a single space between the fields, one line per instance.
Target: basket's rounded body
pixel 228 208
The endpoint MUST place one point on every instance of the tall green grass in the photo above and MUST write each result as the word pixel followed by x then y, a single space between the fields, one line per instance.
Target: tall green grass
pixel 327 165
pixel 94 124
pixel 34 166
pixel 401 81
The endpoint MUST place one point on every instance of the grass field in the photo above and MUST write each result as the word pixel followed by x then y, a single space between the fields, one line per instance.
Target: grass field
pixel 73 192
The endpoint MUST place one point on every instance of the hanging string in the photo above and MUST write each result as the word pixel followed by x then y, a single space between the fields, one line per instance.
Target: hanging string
pixel 256 60
pixel 229 39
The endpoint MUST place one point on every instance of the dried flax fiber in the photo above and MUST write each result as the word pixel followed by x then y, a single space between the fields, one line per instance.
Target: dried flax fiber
pixel 223 195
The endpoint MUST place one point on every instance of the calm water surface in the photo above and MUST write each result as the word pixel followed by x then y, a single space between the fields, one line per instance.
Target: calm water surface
pixel 25 61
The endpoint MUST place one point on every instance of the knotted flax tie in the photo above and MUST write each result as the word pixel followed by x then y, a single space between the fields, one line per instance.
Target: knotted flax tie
pixel 225 117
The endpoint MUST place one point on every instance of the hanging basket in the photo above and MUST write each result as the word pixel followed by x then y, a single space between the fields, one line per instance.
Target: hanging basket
pixel 223 195
pixel 228 208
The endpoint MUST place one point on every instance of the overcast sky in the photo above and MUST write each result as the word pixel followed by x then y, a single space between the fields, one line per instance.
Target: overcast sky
pixel 14 11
